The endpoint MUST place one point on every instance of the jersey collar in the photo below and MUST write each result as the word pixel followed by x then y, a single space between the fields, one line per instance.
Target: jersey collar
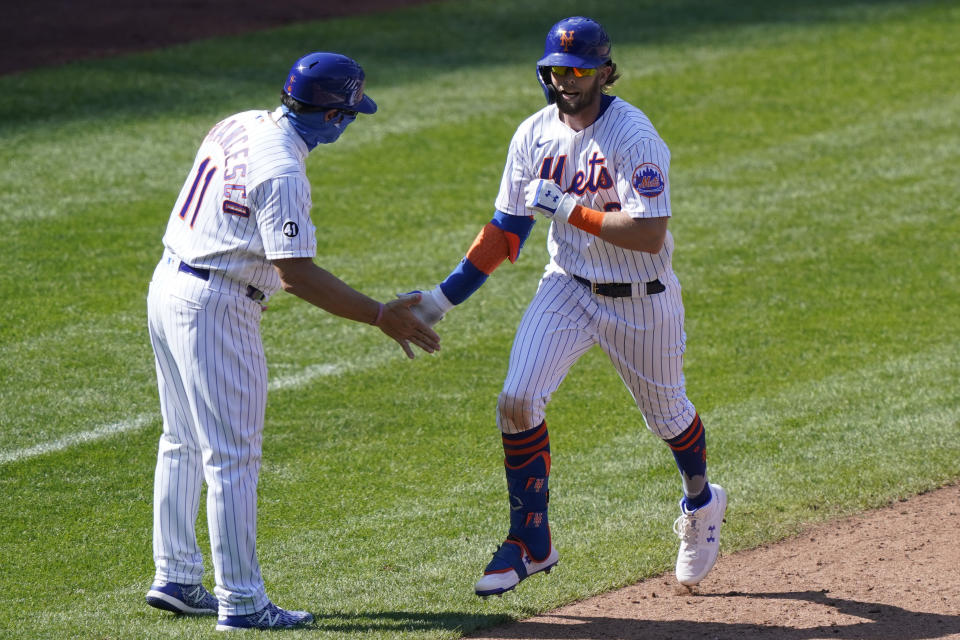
pixel 605 101
pixel 290 132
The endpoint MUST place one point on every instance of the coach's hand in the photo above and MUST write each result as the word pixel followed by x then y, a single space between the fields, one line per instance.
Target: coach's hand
pixel 399 322
pixel 546 198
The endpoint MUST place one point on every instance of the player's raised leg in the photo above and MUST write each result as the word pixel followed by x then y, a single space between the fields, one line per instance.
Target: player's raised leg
pixel 702 507
pixel 645 341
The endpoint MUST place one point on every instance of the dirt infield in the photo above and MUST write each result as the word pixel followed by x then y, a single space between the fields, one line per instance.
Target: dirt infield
pixel 51 32
pixel 891 574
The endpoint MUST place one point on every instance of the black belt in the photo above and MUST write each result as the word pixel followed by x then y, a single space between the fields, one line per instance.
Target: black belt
pixel 620 289
pixel 204 274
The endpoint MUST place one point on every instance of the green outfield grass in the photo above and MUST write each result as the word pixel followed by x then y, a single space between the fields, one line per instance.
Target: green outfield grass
pixel 815 170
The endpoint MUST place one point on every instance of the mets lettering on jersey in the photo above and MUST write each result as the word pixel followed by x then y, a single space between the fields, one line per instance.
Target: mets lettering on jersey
pixel 581 182
pixel 618 163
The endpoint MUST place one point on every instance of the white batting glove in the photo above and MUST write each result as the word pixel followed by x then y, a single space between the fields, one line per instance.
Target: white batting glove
pixel 546 198
pixel 432 307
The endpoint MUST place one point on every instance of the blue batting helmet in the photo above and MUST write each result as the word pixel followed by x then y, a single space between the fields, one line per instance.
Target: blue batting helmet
pixel 576 42
pixel 573 42
pixel 329 80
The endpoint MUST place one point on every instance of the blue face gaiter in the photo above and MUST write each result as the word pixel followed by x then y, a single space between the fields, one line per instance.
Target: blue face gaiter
pixel 314 129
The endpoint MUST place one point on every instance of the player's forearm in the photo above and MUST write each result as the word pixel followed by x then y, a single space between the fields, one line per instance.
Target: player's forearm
pixel 635 234
pixel 500 239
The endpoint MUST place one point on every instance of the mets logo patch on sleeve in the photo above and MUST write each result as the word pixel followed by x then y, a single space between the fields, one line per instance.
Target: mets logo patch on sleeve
pixel 648 180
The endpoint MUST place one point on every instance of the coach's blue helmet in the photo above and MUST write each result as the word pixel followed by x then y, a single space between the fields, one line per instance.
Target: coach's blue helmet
pixel 572 42
pixel 329 80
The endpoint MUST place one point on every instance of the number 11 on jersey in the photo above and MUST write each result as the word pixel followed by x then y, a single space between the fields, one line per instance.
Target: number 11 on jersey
pixel 193 190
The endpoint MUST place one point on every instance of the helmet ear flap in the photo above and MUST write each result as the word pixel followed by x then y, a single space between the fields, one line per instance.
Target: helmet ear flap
pixel 549 91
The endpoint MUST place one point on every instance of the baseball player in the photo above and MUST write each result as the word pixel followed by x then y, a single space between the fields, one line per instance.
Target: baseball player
pixel 595 166
pixel 239 231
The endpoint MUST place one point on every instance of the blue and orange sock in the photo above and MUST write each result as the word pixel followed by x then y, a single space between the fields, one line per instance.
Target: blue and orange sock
pixel 690 451
pixel 527 464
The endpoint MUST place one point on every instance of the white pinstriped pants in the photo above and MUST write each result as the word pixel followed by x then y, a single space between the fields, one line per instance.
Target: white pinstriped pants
pixel 642 336
pixel 212 378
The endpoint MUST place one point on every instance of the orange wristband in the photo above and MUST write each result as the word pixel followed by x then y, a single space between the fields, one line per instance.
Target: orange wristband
pixel 590 220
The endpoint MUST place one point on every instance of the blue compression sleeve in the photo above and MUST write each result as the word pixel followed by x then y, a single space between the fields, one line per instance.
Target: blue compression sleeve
pixel 462 282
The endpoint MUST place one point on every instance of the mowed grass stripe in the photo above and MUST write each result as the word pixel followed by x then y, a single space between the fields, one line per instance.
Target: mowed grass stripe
pixel 735 189
pixel 132 168
pixel 752 199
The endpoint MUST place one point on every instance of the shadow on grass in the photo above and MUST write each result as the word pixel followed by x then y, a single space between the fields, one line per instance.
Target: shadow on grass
pixel 880 622
pixel 411 621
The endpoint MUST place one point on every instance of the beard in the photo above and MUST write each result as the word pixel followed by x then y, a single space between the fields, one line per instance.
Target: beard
pixel 575 105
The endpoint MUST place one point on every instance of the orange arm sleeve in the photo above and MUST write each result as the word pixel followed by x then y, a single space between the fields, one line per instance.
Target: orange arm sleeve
pixel 490 248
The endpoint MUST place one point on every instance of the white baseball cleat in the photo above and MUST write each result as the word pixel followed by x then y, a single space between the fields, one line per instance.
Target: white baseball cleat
pixel 512 564
pixel 699 532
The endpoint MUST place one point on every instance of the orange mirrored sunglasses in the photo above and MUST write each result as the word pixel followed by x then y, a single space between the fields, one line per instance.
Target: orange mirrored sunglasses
pixel 577 71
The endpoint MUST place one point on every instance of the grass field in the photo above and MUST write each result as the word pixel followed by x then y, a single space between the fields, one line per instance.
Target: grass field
pixel 816 156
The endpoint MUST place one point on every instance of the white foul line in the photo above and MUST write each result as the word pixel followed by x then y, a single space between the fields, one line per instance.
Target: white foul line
pixel 77 438
pixel 138 422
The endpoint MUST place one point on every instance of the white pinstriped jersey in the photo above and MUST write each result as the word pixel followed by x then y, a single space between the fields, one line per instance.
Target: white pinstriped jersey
pixel 246 201
pixel 618 162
